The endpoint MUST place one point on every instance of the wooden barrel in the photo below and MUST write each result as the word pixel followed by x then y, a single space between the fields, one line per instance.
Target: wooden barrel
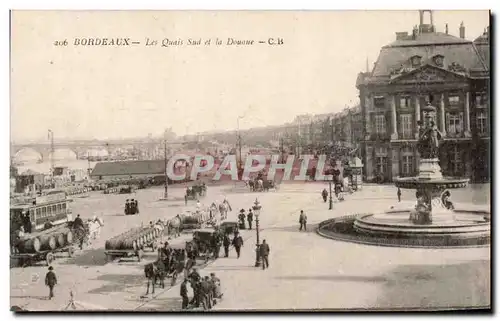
pixel 129 244
pixel 48 242
pixel 32 245
pixel 60 239
pixel 69 237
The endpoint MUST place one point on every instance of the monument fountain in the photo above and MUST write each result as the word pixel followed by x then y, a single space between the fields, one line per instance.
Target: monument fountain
pixel 432 222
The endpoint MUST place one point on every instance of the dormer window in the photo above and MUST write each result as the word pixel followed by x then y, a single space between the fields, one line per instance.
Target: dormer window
pixel 416 61
pixel 439 60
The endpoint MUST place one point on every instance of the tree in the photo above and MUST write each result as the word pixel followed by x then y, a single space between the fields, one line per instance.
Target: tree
pixel 13 171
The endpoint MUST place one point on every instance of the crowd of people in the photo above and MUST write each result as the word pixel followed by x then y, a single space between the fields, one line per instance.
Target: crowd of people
pixel 206 291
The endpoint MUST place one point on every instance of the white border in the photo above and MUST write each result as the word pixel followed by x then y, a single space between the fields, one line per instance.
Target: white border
pixel 199 4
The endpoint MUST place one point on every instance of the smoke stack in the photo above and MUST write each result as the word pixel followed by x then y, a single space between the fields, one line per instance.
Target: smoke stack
pixel 446 29
pixel 462 30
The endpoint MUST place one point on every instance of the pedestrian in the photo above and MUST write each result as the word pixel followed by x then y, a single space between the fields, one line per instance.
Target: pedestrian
pixel 184 294
pixel 324 194
pixel 51 281
pixel 226 242
pixel 399 194
pixel 250 218
pixel 303 220
pixel 264 253
pixel 238 243
pixel 185 200
pixel 205 293
pixel 241 219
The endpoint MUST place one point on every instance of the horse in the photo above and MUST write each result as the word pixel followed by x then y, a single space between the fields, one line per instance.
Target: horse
pixel 214 210
pixel 259 185
pixel 154 271
pixel 251 185
pixel 174 224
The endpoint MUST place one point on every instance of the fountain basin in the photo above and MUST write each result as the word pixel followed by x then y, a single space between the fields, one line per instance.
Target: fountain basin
pixel 438 183
pixel 463 227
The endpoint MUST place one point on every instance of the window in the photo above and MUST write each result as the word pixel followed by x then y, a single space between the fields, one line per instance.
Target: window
pixel 481 100
pixel 380 124
pixel 429 99
pixel 406 125
pixel 44 211
pixel 49 210
pixel 439 60
pixel 407 164
pixel 453 99
pixel 32 215
pixel 456 160
pixel 416 61
pixel 59 209
pixel 64 207
pixel 38 213
pixel 54 210
pixel 381 164
pixel 405 102
pixel 454 122
pixel 481 123
pixel 379 101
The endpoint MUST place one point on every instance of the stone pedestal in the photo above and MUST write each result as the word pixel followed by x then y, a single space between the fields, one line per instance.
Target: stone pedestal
pixel 429 169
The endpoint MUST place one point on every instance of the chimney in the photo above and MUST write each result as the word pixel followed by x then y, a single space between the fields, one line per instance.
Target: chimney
pixel 446 29
pixel 462 30
pixel 401 35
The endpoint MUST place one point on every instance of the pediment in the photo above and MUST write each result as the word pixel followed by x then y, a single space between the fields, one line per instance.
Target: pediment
pixel 427 73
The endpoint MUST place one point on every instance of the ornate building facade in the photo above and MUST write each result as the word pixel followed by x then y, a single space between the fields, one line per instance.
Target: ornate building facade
pixel 427 67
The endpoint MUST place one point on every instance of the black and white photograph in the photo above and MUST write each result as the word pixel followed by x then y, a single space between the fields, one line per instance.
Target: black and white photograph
pixel 250 161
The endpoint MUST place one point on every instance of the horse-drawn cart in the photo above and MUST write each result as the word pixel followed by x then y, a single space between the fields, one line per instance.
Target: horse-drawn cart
pixel 204 244
pixel 130 243
pixel 27 259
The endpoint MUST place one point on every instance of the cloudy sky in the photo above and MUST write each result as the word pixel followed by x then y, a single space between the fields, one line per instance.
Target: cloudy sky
pixel 114 92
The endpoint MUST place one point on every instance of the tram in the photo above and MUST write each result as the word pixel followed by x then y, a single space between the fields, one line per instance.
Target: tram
pixel 51 209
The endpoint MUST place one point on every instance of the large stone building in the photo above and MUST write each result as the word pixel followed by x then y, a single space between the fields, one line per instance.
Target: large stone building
pixel 427 67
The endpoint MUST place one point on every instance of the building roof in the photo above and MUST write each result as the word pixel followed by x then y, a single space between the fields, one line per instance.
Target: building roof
pixel 463 54
pixel 146 167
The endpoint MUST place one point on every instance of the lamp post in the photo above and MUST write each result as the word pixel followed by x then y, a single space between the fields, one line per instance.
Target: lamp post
pixel 330 202
pixel 256 210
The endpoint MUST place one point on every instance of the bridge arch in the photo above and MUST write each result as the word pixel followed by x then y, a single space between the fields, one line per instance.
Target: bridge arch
pixel 27 154
pixel 64 154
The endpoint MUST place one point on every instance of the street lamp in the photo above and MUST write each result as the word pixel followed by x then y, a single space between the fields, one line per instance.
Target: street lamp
pixel 256 211
pixel 330 202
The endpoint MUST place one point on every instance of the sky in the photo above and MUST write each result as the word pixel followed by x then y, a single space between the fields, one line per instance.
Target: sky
pixel 104 92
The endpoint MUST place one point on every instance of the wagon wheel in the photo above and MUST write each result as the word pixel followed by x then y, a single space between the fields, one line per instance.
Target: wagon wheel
pixel 49 258
pixel 174 278
pixel 71 251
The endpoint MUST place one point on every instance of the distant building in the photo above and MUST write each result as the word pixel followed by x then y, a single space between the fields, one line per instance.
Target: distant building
pixel 427 67
pixel 128 169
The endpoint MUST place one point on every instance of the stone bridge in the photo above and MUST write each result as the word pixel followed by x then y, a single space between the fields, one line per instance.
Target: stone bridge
pixel 81 149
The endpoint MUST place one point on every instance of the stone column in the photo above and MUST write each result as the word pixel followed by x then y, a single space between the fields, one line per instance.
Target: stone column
pixel 395 153
pixel 368 108
pixel 442 122
pixel 368 162
pixel 417 114
pixel 467 132
pixel 394 116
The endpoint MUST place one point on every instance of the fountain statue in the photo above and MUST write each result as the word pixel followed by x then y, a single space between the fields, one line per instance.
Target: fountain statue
pixel 433 221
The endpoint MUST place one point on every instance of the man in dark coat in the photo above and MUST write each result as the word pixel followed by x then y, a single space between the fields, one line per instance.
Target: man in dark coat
pixel 205 293
pixel 303 220
pixel 51 281
pixel 324 194
pixel 238 243
pixel 399 194
pixel 264 253
pixel 78 223
pixel 226 242
pixel 250 218
pixel 184 294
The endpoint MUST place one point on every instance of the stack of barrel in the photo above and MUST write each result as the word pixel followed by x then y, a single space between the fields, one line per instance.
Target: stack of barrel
pixel 133 240
pixel 49 241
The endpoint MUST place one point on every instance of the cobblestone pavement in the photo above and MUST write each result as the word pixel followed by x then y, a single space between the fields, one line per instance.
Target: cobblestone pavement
pixel 306 272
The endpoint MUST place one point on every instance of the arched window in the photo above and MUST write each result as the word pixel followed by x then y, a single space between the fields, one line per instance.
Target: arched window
pixel 416 61
pixel 438 60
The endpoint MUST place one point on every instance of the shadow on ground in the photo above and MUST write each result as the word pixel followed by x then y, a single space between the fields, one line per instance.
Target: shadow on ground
pixel 119 283
pixel 465 284
pixel 92 257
